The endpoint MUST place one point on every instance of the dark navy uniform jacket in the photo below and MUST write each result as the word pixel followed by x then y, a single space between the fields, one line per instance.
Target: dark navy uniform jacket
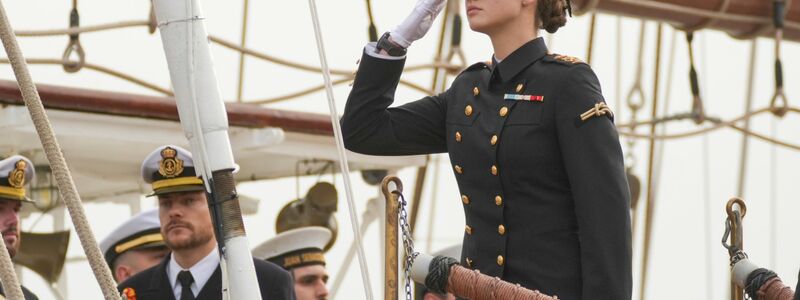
pixel 274 282
pixel 544 194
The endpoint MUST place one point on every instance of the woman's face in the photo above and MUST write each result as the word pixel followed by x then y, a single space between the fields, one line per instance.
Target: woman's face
pixel 489 16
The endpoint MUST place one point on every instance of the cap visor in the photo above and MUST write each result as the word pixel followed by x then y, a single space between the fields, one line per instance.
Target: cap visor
pixel 178 189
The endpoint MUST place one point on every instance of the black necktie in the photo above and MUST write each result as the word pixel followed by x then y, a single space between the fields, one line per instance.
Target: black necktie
pixel 186 279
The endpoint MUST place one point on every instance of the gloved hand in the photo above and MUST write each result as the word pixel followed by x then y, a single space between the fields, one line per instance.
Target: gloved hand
pixel 417 23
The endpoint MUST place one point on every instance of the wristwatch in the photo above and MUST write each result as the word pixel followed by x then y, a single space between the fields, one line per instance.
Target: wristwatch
pixel 388 46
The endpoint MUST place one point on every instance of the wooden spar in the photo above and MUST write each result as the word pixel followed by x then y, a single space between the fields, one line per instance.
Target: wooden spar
pixel 742 19
pixel 391 236
pixel 163 108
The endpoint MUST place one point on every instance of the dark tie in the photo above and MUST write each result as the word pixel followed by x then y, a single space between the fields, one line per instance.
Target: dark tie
pixel 186 279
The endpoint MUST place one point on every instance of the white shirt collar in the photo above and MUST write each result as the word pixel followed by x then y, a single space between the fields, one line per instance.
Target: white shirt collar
pixel 201 272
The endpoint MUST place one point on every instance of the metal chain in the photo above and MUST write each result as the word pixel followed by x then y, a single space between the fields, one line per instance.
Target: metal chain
pixel 408 243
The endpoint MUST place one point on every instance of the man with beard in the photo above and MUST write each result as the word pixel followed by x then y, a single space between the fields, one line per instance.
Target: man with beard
pixel 192 270
pixel 301 252
pixel 15 172
pixel 134 246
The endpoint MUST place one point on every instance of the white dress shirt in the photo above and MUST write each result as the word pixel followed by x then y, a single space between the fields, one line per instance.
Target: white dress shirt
pixel 201 272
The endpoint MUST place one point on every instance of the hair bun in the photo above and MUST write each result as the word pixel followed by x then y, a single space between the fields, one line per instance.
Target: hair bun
pixel 552 14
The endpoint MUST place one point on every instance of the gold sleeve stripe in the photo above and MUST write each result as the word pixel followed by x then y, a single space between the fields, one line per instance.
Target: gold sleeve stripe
pixel 165 183
pixel 145 239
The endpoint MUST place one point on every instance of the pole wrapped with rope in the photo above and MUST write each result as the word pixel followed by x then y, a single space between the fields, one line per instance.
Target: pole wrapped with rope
pixel 443 274
pixel 747 277
pixel 205 124
pixel 52 149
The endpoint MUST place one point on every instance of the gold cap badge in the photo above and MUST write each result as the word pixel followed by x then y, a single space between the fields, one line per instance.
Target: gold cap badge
pixel 16 178
pixel 170 166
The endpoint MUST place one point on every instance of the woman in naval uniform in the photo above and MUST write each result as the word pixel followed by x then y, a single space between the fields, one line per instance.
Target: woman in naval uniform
pixel 532 145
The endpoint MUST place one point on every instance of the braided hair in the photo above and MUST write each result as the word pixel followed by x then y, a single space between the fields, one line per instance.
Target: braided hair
pixel 551 14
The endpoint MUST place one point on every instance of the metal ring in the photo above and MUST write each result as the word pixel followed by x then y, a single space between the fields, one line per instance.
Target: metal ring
pixel 729 208
pixel 385 185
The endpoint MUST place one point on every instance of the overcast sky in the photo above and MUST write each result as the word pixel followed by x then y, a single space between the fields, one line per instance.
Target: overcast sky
pixel 697 175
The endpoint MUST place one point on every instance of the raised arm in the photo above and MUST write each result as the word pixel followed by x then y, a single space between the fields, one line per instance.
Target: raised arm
pixel 369 126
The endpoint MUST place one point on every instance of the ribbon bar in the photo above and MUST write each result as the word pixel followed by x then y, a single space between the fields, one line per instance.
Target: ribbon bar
pixel 519 97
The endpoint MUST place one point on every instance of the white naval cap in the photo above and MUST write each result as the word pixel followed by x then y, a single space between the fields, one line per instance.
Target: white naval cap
pixel 170 169
pixel 295 248
pixel 139 232
pixel 15 172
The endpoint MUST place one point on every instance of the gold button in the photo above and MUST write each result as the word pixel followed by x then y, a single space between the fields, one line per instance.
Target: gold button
pixel 494 140
pixel 458 169
pixel 519 87
pixel 469 262
pixel 476 91
pixel 468 229
pixel 503 111
pixel 501 229
pixel 498 200
pixel 500 260
pixel 468 110
pixel 458 136
pixel 465 199
pixel 494 170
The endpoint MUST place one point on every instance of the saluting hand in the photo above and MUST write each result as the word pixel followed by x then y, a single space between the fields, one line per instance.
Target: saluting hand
pixel 417 23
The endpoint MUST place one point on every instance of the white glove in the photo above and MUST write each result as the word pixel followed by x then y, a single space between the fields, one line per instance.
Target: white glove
pixel 417 23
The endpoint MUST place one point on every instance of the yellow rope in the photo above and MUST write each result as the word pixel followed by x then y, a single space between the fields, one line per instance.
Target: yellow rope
pixel 98 68
pixel 81 29
pixel 66 185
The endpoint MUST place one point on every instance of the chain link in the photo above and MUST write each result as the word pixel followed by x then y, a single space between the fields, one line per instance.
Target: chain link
pixel 408 243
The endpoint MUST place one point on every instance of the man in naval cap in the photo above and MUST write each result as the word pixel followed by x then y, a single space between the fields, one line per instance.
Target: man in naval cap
pixel 15 172
pixel 134 246
pixel 192 270
pixel 300 251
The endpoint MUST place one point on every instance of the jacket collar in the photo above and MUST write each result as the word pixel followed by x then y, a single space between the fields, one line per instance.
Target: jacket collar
pixel 520 59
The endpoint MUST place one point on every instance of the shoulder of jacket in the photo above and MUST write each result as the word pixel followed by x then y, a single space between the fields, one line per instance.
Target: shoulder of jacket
pixel 564 60
pixel 477 67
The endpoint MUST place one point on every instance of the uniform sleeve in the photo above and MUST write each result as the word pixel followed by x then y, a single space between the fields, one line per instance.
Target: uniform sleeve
pixel 369 126
pixel 275 282
pixel 593 160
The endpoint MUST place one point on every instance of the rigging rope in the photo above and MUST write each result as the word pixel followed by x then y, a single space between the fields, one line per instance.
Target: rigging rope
pixel 66 186
pixel 372 30
pixel 590 44
pixel 779 96
pixel 74 44
pixel 345 168
pixel 8 277
pixel 240 84
pixel 698 114
pixel 650 200
pixel 748 109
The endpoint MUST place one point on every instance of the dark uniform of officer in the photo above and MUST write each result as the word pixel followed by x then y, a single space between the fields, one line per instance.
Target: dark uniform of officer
pixel 170 169
pixel 543 190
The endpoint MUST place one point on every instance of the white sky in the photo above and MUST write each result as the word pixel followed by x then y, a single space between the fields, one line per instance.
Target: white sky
pixel 698 175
